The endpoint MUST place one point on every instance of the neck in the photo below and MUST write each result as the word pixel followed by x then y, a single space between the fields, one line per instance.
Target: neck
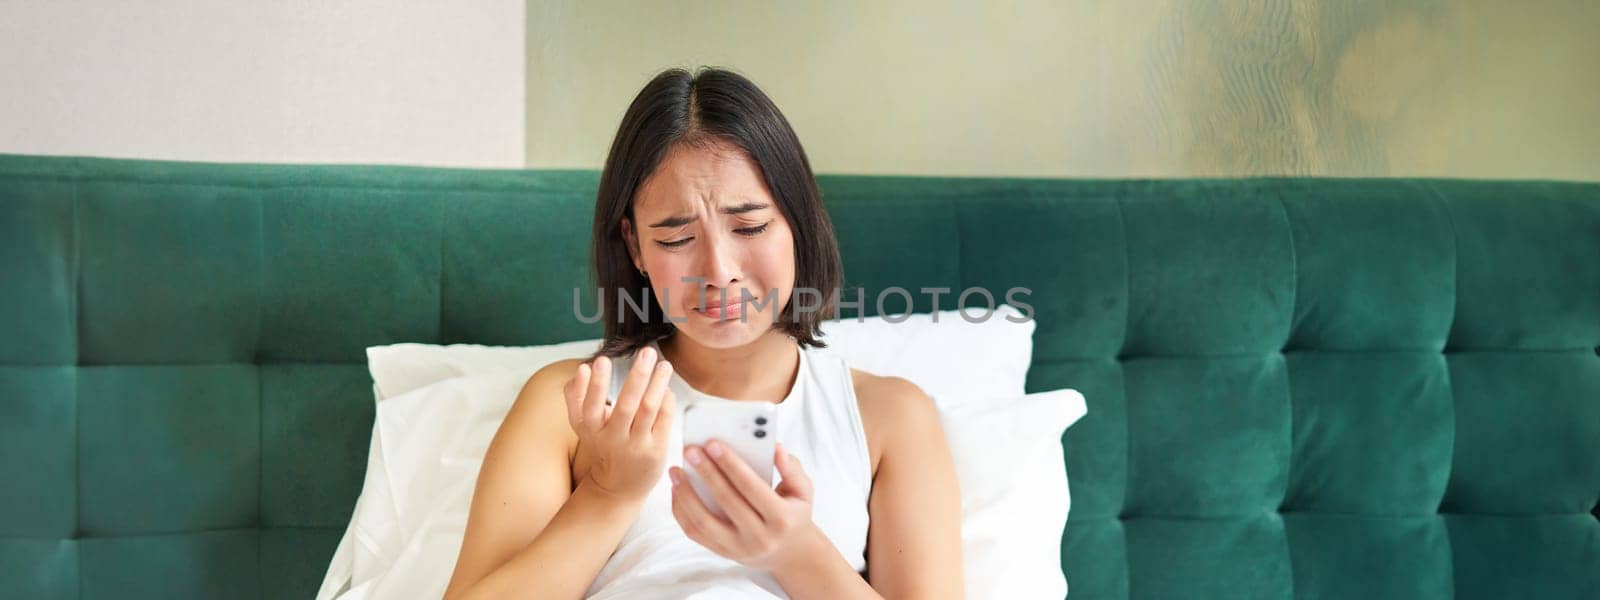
pixel 763 370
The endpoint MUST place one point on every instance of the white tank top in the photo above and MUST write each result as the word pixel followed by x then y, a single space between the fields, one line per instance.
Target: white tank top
pixel 819 423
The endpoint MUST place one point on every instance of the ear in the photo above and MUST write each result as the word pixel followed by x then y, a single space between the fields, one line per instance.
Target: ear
pixel 632 241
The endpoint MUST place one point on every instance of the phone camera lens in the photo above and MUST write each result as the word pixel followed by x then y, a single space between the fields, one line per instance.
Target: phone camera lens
pixel 761 420
pixel 761 433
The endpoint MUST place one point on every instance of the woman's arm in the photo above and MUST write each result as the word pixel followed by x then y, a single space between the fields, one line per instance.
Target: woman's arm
pixel 914 539
pixel 528 528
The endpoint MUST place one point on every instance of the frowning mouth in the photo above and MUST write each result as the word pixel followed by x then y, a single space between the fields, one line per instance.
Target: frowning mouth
pixel 731 310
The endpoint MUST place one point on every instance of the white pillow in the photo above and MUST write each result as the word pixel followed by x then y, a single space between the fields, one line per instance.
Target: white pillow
pixel 400 368
pixel 1014 495
pixel 428 445
pixel 948 357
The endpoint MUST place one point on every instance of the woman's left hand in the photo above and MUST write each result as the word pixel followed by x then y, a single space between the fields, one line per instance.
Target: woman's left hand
pixel 766 528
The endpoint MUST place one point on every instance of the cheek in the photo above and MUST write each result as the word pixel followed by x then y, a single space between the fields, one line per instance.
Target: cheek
pixel 669 271
pixel 774 261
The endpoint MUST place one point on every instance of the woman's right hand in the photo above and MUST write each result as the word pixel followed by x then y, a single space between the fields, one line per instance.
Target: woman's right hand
pixel 626 443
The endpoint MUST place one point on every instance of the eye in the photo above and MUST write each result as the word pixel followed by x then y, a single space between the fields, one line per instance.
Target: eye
pixel 674 243
pixel 753 231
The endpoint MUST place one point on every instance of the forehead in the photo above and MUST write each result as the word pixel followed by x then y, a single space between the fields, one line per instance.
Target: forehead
pixel 692 176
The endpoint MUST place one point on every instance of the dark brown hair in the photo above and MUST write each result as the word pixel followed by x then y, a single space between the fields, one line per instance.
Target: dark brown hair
pixel 701 108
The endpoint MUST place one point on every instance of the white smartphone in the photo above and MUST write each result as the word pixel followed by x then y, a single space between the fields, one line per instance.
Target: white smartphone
pixel 749 428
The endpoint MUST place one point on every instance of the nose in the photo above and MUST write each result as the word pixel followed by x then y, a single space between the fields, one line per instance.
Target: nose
pixel 720 262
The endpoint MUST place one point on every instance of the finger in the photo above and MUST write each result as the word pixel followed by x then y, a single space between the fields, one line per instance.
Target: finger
pixel 667 415
pixel 795 484
pixel 749 485
pixel 574 394
pixel 594 400
pixel 732 502
pixel 650 403
pixel 696 519
pixel 644 361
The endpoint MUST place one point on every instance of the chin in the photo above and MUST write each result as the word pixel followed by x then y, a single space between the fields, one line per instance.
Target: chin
pixel 725 334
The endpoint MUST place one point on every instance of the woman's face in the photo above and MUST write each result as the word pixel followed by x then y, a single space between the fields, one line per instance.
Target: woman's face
pixel 705 223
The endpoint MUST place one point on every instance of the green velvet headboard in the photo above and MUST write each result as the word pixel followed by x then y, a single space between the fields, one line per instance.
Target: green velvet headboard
pixel 1298 388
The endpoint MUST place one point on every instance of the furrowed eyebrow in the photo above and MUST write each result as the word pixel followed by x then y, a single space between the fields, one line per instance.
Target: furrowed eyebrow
pixel 676 221
pixel 737 209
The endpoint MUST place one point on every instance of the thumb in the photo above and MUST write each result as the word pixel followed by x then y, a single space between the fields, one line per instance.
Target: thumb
pixel 795 482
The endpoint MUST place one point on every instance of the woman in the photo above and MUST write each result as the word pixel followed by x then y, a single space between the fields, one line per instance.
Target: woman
pixel 706 195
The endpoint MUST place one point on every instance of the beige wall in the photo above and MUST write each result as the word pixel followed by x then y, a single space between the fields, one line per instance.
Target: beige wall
pixel 1474 88
pixel 353 81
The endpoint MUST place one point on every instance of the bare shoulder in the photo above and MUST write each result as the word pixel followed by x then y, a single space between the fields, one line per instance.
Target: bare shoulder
pixel 551 377
pixel 547 385
pixel 541 408
pixel 884 393
pixel 534 436
pixel 892 409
